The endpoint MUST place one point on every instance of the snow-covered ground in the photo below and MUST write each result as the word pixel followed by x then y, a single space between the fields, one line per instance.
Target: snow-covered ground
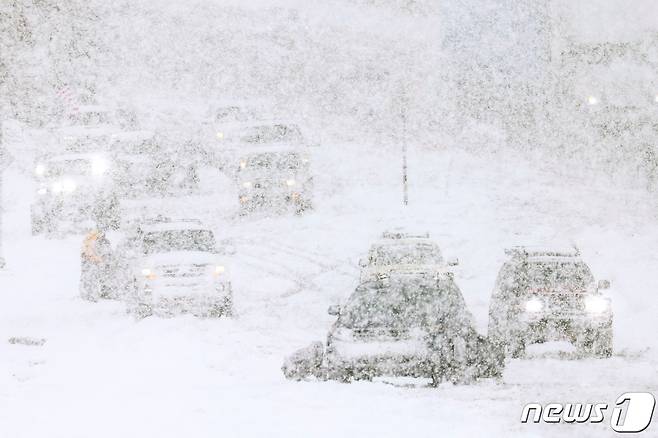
pixel 100 373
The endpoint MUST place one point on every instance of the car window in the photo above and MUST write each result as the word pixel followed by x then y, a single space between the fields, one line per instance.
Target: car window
pixel 402 254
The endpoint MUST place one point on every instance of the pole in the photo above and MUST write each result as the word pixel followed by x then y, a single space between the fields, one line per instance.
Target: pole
pixel 405 185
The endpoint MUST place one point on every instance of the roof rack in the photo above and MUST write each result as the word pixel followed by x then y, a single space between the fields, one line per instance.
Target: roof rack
pixel 397 235
pixel 536 251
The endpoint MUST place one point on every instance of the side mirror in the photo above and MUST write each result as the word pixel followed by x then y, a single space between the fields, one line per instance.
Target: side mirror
pixel 454 261
pixel 363 263
pixel 334 310
pixel 604 284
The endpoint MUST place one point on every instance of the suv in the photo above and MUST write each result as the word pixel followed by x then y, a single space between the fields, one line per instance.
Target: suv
pixel 546 294
pixel 270 164
pixel 403 253
pixel 174 266
pixel 72 188
pixel 406 327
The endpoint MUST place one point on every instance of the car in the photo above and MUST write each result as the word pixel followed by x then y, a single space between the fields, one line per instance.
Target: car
pixel 73 189
pixel 404 327
pixel 400 252
pixel 142 166
pixel 85 124
pixel 549 294
pixel 171 266
pixel 270 164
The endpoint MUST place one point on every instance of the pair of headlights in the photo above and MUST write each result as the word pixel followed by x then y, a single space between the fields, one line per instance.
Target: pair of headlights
pixel 593 304
pixel 150 273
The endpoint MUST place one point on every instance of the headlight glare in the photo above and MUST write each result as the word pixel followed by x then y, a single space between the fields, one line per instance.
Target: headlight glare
pixel 290 182
pixel 534 305
pixel 40 169
pixel 596 304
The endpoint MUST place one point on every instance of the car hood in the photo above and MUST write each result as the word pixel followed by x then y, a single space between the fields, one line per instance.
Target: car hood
pixel 180 258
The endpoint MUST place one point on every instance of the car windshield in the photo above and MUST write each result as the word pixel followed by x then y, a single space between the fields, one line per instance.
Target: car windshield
pixel 402 307
pixel 272 134
pixel 91 118
pixel 179 240
pixel 405 254
pixel 272 160
pixel 67 167
pixel 563 276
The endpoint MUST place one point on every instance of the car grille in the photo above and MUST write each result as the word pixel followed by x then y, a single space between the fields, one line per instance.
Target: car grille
pixel 566 302
pixel 184 271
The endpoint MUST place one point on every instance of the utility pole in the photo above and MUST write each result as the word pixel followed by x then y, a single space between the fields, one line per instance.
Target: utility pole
pixel 405 181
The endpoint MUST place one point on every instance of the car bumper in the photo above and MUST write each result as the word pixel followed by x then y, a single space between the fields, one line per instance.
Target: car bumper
pixel 174 297
pixel 404 358
pixel 558 327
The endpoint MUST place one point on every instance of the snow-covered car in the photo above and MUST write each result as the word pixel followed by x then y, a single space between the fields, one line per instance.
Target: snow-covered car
pixel 72 189
pixel 549 294
pixel 141 166
pixel 403 253
pixel 174 266
pixel 87 123
pixel 406 326
pixel 270 162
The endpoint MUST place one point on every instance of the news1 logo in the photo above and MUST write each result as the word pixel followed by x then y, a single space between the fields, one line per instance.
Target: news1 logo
pixel 632 412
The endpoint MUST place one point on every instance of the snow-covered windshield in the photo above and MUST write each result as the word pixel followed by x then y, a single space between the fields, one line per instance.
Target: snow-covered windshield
pixel 272 160
pixel 272 134
pixel 405 254
pixel 401 307
pixel 179 240
pixel 563 276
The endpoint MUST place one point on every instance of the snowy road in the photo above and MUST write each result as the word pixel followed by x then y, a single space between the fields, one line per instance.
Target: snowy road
pixel 102 374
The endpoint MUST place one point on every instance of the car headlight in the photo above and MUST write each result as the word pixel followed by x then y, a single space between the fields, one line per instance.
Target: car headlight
pixel 534 305
pixel 596 304
pixel 243 164
pixel 148 273
pixel 246 185
pixel 99 166
pixel 40 169
pixel 592 100
pixel 290 182
pixel 220 135
pixel 219 270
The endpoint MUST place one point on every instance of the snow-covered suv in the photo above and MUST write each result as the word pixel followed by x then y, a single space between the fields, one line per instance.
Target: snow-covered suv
pixel 270 163
pixel 403 253
pixel 548 294
pixel 174 266
pixel 416 327
pixel 69 187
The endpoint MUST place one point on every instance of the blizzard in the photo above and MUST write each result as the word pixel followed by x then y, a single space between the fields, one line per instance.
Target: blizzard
pixel 98 371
